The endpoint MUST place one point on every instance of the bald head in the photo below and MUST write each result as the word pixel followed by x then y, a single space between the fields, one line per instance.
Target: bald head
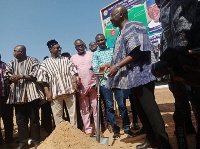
pixel 20 52
pixel 119 16
pixel 20 48
pixel 121 9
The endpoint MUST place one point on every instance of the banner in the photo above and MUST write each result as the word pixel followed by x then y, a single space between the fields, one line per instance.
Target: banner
pixel 145 11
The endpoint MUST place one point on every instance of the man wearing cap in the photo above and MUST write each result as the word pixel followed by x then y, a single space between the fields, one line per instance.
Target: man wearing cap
pixel 58 76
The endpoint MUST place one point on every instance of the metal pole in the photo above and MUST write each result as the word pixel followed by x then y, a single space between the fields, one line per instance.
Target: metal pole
pixel 98 112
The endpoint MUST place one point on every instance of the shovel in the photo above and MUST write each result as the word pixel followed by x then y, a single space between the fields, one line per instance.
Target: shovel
pixel 98 138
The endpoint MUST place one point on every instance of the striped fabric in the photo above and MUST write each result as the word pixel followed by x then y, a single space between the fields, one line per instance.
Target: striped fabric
pixel 3 88
pixel 23 91
pixel 133 34
pixel 57 72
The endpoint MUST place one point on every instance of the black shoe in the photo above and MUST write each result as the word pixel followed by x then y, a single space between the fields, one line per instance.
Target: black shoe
pixel 144 145
pixel 130 133
pixel 116 135
pixel 136 126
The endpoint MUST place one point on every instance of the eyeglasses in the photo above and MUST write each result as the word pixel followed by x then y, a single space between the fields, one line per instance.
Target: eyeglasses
pixel 78 46
pixel 58 48
pixel 113 15
pixel 17 50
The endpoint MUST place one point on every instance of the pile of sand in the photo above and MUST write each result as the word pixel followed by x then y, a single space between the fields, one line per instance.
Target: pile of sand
pixel 67 136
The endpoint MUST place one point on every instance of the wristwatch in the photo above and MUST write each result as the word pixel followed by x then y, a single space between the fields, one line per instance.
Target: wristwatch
pixel 117 66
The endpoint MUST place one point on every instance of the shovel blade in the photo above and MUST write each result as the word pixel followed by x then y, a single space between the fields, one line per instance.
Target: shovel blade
pixel 103 140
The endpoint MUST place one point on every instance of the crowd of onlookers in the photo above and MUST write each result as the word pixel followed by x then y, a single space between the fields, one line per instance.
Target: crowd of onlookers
pixel 65 86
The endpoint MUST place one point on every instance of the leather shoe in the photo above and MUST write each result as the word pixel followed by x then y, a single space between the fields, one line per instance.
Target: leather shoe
pixel 144 145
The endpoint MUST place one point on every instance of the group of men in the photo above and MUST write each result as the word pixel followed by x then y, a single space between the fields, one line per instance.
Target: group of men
pixel 126 67
pixel 58 78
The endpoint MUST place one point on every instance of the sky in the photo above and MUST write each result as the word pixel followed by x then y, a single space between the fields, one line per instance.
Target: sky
pixel 34 22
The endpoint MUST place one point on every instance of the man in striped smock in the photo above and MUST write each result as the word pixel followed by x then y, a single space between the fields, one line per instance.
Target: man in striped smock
pixel 58 76
pixel 21 73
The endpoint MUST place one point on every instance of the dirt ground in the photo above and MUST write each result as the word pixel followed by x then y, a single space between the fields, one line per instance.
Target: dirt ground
pixel 66 136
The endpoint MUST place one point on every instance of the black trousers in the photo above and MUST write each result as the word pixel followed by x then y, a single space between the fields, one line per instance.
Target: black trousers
pixel 46 117
pixel 149 114
pixel 182 107
pixel 23 113
pixel 134 112
pixel 6 112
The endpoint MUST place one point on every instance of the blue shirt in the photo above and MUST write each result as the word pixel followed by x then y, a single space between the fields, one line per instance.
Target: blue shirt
pixel 101 57
pixel 132 35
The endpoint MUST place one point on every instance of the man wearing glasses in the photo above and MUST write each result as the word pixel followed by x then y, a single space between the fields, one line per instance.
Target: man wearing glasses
pixel 87 94
pixel 130 69
pixel 58 76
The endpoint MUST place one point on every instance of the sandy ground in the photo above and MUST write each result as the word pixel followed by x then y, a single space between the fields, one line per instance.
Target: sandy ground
pixel 66 136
